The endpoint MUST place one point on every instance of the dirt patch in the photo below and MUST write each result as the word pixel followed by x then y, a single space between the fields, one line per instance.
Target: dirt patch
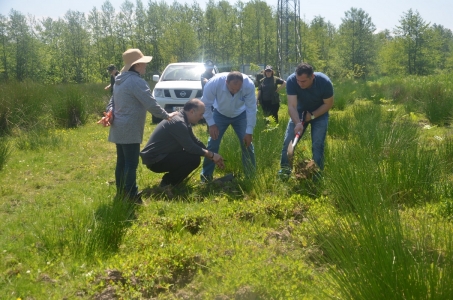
pixel 108 293
pixel 305 169
pixel 46 278
pixel 159 192
pixel 246 293
pixel 113 277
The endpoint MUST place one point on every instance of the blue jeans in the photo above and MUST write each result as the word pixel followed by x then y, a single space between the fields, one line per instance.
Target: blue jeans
pixel 239 124
pixel 126 169
pixel 318 138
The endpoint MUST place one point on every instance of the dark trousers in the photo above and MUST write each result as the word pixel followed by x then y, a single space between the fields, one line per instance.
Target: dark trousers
pixel 126 168
pixel 177 166
pixel 270 109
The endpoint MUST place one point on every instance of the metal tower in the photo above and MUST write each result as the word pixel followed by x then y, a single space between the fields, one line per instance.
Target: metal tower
pixel 288 36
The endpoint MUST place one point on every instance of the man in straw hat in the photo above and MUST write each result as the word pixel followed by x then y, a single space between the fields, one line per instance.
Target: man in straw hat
pixel 126 117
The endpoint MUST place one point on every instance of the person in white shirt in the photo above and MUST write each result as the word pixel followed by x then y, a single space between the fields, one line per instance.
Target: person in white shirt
pixel 232 97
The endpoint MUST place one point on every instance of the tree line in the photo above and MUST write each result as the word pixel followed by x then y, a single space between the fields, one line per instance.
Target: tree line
pixel 78 47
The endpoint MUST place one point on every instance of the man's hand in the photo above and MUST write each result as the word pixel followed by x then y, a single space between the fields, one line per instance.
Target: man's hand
pixel 218 160
pixel 299 128
pixel 247 140
pixel 107 119
pixel 214 131
pixel 170 115
pixel 107 87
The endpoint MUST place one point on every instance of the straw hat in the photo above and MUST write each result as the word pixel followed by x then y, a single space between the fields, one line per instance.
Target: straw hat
pixel 132 57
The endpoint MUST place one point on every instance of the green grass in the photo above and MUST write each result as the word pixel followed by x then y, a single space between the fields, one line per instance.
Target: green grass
pixel 378 225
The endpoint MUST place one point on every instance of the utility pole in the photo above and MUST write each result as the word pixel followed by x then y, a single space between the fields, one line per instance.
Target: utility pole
pixel 288 36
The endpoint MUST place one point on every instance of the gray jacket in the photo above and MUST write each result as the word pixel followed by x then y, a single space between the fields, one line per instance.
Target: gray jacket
pixel 131 99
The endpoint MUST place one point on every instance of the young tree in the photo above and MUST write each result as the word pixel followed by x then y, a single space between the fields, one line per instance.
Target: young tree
pixel 259 28
pixel 181 43
pixel 125 26
pixel 158 20
pixel 20 36
pixel 412 33
pixel 356 42
pixel 108 23
pixel 4 46
pixel 99 60
pixel 318 43
pixel 441 47
pixel 77 44
pixel 139 39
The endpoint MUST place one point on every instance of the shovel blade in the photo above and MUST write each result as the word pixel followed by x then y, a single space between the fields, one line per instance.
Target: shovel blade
pixel 291 146
pixel 290 150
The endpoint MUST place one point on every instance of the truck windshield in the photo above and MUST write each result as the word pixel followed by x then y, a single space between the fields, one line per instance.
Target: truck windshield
pixel 178 72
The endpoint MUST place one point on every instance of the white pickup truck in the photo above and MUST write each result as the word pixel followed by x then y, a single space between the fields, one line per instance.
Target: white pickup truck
pixel 179 83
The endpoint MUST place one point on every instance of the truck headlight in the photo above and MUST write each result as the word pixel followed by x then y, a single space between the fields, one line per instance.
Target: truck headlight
pixel 158 93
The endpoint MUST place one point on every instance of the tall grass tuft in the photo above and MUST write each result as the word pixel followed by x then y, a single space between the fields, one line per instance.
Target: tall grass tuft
pixel 338 125
pixel 383 157
pixel 22 104
pixel 5 114
pixel 26 105
pixel 372 254
pixel 345 94
pixel 39 138
pixel 430 95
pixel 69 109
pixel 5 152
pixel 88 233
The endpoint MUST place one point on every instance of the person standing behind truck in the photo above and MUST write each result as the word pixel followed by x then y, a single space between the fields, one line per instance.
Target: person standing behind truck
pixel 208 73
pixel 111 69
pixel 268 95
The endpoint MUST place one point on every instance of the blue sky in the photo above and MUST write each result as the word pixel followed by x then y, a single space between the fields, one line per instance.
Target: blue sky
pixel 385 14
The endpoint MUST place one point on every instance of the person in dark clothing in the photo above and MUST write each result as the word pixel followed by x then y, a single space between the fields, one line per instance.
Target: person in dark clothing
pixel 205 76
pixel 268 95
pixel 173 148
pixel 113 73
pixel 208 73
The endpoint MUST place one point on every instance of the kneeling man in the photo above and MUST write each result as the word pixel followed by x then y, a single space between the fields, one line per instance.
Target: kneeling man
pixel 173 148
